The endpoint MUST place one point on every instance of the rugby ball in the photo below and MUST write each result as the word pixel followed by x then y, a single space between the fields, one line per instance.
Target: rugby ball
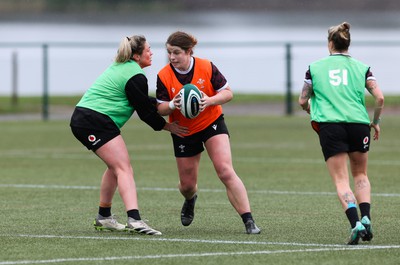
pixel 190 101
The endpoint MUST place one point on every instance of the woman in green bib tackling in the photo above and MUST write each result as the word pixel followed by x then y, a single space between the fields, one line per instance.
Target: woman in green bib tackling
pixel 334 95
pixel 96 122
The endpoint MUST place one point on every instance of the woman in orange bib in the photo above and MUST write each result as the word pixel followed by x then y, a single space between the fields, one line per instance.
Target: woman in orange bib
pixel 207 130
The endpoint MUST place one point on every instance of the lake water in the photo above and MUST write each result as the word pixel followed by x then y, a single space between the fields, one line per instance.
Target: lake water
pixel 249 49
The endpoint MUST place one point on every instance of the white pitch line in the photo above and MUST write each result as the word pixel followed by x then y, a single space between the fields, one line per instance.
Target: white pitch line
pixel 202 241
pixel 40 186
pixel 206 254
pixel 277 192
pixel 179 240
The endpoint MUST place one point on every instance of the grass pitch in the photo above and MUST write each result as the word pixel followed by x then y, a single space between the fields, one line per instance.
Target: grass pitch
pixel 49 189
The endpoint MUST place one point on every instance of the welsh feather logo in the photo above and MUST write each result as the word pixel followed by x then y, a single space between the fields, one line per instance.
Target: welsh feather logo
pixel 182 147
pixel 200 82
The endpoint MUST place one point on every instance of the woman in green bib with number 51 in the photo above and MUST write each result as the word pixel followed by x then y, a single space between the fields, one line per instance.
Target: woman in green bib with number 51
pixel 334 96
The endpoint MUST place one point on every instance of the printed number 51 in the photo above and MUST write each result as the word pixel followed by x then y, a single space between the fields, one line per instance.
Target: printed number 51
pixel 338 77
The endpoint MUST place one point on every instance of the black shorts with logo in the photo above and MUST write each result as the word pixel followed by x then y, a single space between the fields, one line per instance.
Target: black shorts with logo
pixel 93 129
pixel 193 144
pixel 338 138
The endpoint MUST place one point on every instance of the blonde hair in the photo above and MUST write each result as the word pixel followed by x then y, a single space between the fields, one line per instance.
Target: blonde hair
pixel 183 40
pixel 340 36
pixel 130 46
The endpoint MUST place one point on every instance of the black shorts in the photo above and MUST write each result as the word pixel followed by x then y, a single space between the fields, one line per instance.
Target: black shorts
pixel 338 138
pixel 193 144
pixel 93 129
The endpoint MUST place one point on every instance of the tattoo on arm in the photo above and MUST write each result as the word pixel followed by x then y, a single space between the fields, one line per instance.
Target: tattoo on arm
pixel 306 91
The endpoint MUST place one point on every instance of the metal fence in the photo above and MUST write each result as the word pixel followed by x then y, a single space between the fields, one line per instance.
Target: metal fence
pixel 69 68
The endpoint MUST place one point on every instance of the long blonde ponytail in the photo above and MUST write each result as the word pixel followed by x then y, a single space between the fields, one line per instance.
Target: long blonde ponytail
pixel 130 46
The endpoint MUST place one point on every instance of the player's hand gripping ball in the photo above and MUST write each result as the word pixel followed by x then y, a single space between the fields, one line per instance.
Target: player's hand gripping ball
pixel 190 101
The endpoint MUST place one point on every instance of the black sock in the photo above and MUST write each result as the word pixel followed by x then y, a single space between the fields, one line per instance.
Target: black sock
pixel 105 211
pixel 246 217
pixel 352 216
pixel 192 200
pixel 134 214
pixel 365 209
